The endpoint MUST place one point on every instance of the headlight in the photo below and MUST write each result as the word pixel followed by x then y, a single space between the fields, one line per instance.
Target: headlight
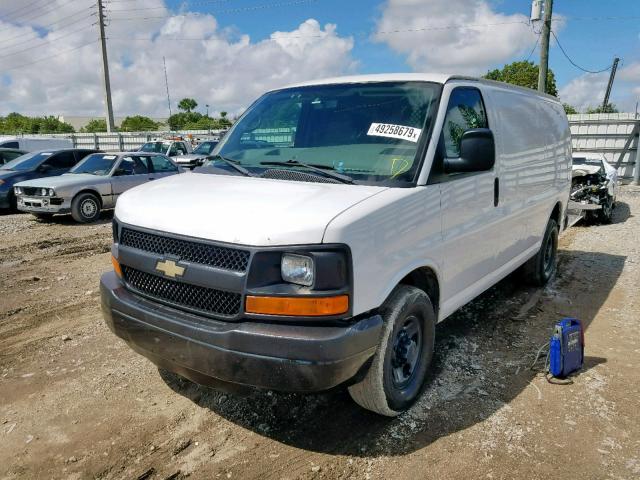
pixel 297 269
pixel 17 190
pixel 51 192
pixel 43 192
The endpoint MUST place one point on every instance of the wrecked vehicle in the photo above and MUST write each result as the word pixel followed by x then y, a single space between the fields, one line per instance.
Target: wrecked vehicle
pixel 91 186
pixel 594 186
pixel 337 222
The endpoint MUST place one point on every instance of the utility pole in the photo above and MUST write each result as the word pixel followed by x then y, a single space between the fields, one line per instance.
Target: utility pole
pixel 166 83
pixel 105 70
pixel 544 46
pixel 612 76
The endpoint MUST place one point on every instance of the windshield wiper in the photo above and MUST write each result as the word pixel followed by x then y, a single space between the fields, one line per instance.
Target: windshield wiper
pixel 234 164
pixel 324 169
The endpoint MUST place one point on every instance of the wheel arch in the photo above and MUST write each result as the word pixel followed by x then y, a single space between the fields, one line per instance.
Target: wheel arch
pixel 426 279
pixel 89 190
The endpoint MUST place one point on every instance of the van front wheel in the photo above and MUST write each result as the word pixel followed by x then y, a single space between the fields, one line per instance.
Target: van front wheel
pixel 542 267
pixel 397 373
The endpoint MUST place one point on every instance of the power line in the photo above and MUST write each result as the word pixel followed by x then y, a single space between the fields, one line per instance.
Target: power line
pixel 40 13
pixel 47 27
pixel 574 63
pixel 534 47
pixel 45 42
pixel 49 57
pixel 24 7
pixel 29 40
pixel 231 10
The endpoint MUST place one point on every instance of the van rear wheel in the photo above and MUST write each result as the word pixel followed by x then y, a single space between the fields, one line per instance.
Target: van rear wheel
pixel 542 267
pixel 397 374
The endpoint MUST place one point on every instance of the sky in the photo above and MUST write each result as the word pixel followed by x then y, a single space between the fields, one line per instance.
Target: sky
pixel 226 53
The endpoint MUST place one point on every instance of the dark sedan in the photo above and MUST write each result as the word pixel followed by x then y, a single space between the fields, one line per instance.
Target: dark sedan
pixel 45 163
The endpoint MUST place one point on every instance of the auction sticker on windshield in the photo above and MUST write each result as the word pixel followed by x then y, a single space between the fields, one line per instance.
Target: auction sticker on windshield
pixel 389 130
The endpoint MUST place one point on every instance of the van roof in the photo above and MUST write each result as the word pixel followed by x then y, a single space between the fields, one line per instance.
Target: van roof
pixel 441 78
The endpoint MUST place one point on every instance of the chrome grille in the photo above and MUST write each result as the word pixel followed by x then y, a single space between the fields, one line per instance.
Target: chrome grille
pixel 187 250
pixel 192 297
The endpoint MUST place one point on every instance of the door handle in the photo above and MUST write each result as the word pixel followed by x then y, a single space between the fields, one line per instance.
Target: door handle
pixel 496 192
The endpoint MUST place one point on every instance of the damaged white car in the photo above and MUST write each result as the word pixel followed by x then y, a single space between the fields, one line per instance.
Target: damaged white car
pixel 594 187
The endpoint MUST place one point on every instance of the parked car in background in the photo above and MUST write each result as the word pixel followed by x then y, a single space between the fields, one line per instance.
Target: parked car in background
pixel 93 185
pixel 594 187
pixel 8 154
pixel 32 144
pixel 44 163
pixel 326 254
pixel 198 156
pixel 170 148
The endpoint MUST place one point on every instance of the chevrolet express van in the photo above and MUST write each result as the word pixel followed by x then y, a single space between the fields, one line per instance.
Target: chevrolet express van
pixel 335 224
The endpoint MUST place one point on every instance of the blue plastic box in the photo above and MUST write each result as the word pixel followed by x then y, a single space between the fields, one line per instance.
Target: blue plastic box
pixel 566 348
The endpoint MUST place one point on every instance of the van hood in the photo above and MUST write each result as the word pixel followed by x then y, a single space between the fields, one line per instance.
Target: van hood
pixel 240 210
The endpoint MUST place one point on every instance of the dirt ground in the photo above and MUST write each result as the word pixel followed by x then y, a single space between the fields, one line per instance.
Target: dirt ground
pixel 75 402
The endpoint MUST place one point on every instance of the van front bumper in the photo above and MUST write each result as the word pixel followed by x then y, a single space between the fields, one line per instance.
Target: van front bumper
pixel 265 355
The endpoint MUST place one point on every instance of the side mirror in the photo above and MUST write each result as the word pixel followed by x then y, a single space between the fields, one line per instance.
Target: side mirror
pixel 477 152
pixel 44 168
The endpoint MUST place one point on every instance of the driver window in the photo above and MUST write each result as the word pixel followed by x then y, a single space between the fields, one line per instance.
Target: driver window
pixel 465 112
pixel 126 166
pixel 182 150
pixel 173 151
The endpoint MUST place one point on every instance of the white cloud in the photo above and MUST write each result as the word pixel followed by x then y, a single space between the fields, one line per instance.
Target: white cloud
pixel 220 67
pixel 460 36
pixel 588 90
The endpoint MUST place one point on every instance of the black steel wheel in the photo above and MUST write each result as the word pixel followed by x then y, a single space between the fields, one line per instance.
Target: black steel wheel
pixel 399 368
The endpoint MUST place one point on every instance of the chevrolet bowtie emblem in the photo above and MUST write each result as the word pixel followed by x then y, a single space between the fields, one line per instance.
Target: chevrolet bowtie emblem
pixel 170 268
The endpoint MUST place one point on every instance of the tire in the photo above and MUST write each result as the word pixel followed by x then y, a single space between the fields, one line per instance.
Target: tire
pixel 542 267
pixel 399 368
pixel 605 214
pixel 85 208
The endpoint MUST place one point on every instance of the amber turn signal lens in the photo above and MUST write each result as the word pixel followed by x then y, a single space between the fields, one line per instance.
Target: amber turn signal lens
pixel 298 306
pixel 116 266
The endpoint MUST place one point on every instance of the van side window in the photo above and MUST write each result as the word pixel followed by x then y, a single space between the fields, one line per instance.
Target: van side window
pixel 10 145
pixel 465 112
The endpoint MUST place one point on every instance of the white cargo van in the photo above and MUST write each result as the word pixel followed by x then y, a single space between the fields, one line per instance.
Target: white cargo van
pixel 337 222
pixel 32 144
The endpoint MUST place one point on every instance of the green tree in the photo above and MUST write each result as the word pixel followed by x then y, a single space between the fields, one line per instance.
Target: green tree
pixel 187 104
pixel 15 123
pixel 138 123
pixel 524 74
pixel 94 126
pixel 608 108
pixel 569 109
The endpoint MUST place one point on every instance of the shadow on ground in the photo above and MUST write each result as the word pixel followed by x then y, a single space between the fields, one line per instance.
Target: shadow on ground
pixel 481 363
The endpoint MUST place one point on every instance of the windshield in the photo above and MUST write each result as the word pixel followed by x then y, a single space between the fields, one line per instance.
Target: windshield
pixel 369 131
pixel 26 162
pixel 96 164
pixel 205 148
pixel 155 147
